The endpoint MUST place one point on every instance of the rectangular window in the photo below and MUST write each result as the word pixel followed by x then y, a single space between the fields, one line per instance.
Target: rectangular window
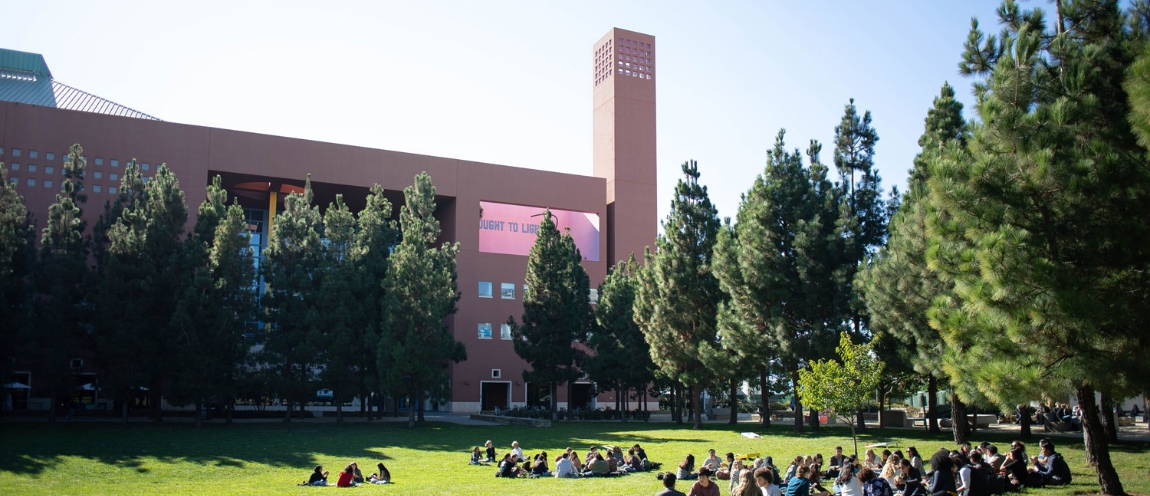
pixel 485 331
pixel 112 189
pixel 115 163
pixel 96 188
pixel 507 291
pixel 31 182
pixel 113 176
pixel 99 161
pixel 15 152
pixel 15 166
pixel 31 167
pixel 1 150
pixel 47 183
pixel 484 289
pixel 50 156
pixel 33 154
pixel 48 169
pixel 505 332
pixel 14 179
pixel 145 166
pixel 98 175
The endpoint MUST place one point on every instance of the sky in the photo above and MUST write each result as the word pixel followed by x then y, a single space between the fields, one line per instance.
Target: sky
pixel 510 82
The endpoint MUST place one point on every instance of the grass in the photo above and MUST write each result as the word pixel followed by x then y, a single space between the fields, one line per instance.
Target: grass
pixel 78 458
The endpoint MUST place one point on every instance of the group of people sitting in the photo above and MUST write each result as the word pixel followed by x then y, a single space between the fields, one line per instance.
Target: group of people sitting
pixel 980 471
pixel 1060 412
pixel 513 464
pixel 350 476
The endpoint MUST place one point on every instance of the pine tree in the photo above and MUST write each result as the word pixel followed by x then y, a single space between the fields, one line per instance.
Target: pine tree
pixel 62 312
pixel 420 291
pixel 677 303
pixel 1046 241
pixel 218 298
pixel 556 310
pixel 371 249
pixel 292 271
pixel 338 306
pixel 621 360
pixel 16 257
pixel 142 280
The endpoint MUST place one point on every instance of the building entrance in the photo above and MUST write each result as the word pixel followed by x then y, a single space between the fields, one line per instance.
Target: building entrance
pixel 580 396
pixel 494 395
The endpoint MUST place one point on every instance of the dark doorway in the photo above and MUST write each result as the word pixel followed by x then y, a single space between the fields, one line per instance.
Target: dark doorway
pixel 494 395
pixel 539 394
pixel 580 396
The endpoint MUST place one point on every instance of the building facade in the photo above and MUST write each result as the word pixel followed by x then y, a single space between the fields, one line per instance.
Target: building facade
pixel 612 213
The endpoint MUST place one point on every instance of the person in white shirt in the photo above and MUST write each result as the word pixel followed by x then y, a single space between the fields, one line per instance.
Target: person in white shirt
pixel 565 467
pixel 764 477
pixel 848 482
pixel 516 450
pixel 712 462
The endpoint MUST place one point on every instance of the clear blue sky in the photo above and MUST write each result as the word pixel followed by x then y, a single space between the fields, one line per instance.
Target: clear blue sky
pixel 510 82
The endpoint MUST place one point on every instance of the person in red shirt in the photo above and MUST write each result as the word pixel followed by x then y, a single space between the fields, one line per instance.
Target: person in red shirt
pixel 345 477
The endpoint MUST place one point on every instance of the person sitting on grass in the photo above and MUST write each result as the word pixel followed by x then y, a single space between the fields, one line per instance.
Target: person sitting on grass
pixel 319 477
pixel 574 457
pixel 346 477
pixel 712 461
pixel 687 469
pixel 509 467
pixel 590 457
pixel 669 487
pixel 873 485
pixel 357 476
pixel 476 457
pixel 598 467
pixel 792 469
pixel 565 467
pixel 704 486
pixel 632 462
pixel 381 477
pixel 747 485
pixel 765 478
pixel 490 451
pixel 848 482
pixel 516 450
pixel 539 467
pixel 800 485
pixel 1053 471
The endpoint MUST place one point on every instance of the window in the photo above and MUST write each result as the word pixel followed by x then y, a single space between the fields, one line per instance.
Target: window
pixel 15 152
pixel 15 166
pixel 505 332
pixel 594 296
pixel 496 373
pixel 485 331
pixel 145 166
pixel 33 154
pixel 113 176
pixel 485 290
pixel 115 163
pixel 48 169
pixel 507 291
pixel 98 175
pixel 47 183
pixel 112 189
pixel 524 290
pixel 50 156
pixel 31 167
pixel 14 179
pixel 96 188
pixel 99 161
pixel 31 182
pixel 1 150
pixel 145 178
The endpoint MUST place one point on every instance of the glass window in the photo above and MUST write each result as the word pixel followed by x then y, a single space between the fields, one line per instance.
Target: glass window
pixel 145 166
pixel 14 180
pixel 1 150
pixel 33 154
pixel 47 183
pixel 31 167
pixel 96 188
pixel 31 182
pixel 485 330
pixel 484 289
pixel 112 176
pixel 14 166
pixel 50 156
pixel 145 178
pixel 48 169
pixel 115 163
pixel 507 291
pixel 505 332
pixel 15 152
pixel 112 189
pixel 99 161
pixel 98 175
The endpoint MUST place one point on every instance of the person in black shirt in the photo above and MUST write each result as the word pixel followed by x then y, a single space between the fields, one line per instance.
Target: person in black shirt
pixel 1054 470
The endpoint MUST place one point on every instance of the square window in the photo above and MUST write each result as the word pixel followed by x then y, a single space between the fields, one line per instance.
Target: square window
pixel 145 178
pixel 112 176
pixel 96 188
pixel 1 150
pixel 31 167
pixel 485 331
pixel 14 180
pixel 14 166
pixel 115 163
pixel 145 166
pixel 47 183
pixel 50 156
pixel 484 289
pixel 99 161
pixel 507 291
pixel 496 373
pixel 15 152
pixel 112 189
pixel 505 332
pixel 31 182
pixel 48 169
pixel 98 175
pixel 33 154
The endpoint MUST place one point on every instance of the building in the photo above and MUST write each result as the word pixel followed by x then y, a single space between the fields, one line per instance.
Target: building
pixel 612 213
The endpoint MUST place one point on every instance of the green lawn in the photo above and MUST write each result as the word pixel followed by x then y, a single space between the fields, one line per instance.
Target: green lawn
pixel 82 458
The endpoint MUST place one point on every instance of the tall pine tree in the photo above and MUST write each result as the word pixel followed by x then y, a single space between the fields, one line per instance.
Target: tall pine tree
pixel 16 256
pixel 621 360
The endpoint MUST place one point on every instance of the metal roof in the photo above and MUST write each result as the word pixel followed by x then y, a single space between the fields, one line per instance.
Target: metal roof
pixel 25 78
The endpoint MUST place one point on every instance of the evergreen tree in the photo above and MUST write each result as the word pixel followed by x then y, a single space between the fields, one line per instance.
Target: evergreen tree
pixel 62 312
pixel 677 303
pixel 338 306
pixel 1045 239
pixel 218 298
pixel 293 348
pixel 375 236
pixel 621 360
pixel 420 291
pixel 556 310
pixel 897 287
pixel 15 266
pixel 142 280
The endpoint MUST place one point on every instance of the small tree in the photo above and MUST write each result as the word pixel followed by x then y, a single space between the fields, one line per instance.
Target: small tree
pixel 843 387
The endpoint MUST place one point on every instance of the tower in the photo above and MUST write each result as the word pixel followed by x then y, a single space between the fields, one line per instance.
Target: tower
pixel 624 139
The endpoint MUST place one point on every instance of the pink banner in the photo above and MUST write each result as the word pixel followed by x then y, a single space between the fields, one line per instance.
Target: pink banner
pixel 510 229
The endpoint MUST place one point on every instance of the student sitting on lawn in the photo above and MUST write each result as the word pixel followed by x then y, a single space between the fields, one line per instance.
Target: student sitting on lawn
pixel 345 477
pixel 598 466
pixel 476 457
pixel 704 486
pixel 574 457
pixel 687 469
pixel 508 467
pixel 357 476
pixel 565 467
pixel 490 451
pixel 539 468
pixel 319 477
pixel 381 477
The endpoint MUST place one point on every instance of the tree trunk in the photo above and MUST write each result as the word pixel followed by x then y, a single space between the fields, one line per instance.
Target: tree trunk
pixel 1109 420
pixel 861 421
pixel 1024 421
pixel 53 406
pixel 798 408
pixel 958 419
pixel 764 399
pixel 419 404
pixel 231 408
pixel 697 399
pixel 363 406
pixel 932 405
pixel 674 404
pixel 734 402
pixel 157 408
pixel 394 407
pixel 199 411
pixel 974 419
pixel 815 421
pixel 124 413
pixel 287 412
pixel 1097 449
pixel 411 411
pixel 338 407
pixel 881 407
